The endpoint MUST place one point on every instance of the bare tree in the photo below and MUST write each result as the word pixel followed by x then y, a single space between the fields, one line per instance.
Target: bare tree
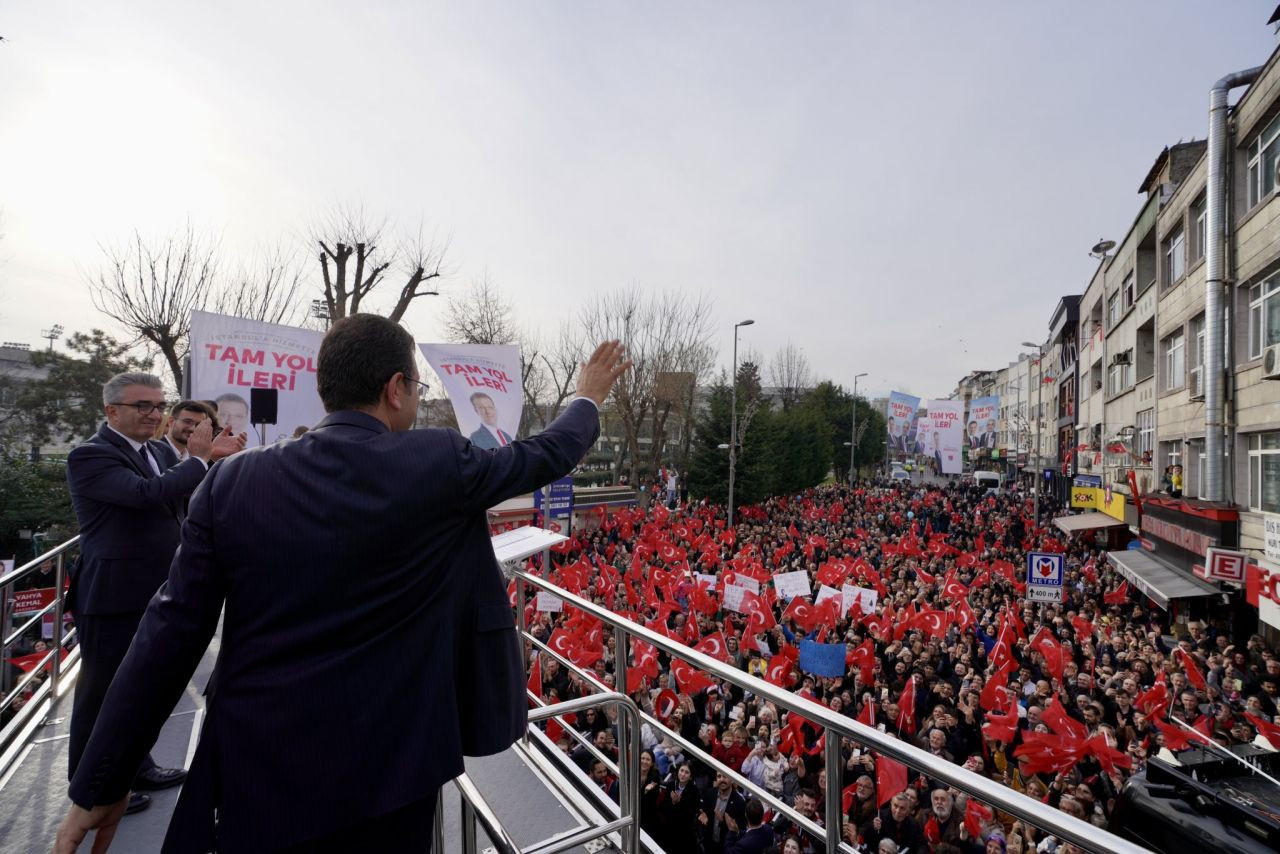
pixel 789 372
pixel 664 333
pixel 560 362
pixel 354 264
pixel 272 289
pixel 151 289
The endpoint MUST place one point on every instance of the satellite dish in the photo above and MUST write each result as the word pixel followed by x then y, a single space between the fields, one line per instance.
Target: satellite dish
pixel 1102 247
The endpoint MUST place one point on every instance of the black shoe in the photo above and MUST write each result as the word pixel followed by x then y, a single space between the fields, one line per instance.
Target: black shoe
pixel 155 777
pixel 137 803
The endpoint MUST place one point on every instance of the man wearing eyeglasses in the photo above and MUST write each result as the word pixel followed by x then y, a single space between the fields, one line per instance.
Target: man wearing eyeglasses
pixel 184 418
pixel 129 495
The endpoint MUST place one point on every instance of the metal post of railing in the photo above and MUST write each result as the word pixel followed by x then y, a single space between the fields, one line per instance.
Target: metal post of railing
pixel 58 640
pixel 437 830
pixel 628 760
pixel 468 825
pixel 522 628
pixel 5 669
pixel 831 755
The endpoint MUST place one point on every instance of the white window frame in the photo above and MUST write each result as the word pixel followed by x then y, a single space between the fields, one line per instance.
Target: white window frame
pixel 1175 256
pixel 1120 376
pixel 1257 455
pixel 1260 295
pixel 1113 311
pixel 1173 353
pixel 1146 432
pixel 1195 372
pixel 1129 289
pixel 1259 152
pixel 1200 219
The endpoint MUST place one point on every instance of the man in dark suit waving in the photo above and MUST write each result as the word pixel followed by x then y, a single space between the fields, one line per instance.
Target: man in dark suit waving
pixel 129 495
pixel 356 555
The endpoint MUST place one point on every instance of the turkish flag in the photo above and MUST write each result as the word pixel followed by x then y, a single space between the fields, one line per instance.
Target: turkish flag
pixel 1051 650
pixel 779 671
pixel 714 645
pixel 891 779
pixel 989 699
pixel 864 658
pixel 802 611
pixel 535 679
pixel 1002 727
pixel 1084 628
pixel 907 708
pixel 1117 596
pixel 1056 718
pixel 1155 697
pixel 1270 732
pixel 1194 676
pixel 1176 738
pixel 975 816
pixel 689 678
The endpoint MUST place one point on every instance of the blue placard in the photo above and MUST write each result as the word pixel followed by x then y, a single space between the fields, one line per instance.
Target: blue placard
pixel 559 500
pixel 822 659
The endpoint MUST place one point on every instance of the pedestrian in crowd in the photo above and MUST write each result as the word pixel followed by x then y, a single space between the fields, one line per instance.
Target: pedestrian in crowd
pixel 273 535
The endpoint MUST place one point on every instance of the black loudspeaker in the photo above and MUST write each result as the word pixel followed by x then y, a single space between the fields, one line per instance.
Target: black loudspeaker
pixel 262 405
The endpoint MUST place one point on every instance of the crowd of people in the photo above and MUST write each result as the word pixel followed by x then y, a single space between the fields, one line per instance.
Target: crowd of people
pixel 1060 701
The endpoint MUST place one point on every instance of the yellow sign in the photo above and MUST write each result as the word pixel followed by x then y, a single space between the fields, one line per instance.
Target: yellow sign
pixel 1111 503
pixel 1087 497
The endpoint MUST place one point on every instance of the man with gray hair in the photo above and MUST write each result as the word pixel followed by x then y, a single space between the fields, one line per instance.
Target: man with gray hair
pixel 130 495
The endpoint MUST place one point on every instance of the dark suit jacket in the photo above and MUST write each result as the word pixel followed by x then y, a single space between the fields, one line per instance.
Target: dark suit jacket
pixel 751 841
pixel 367 644
pixel 482 438
pixel 129 521
pixel 736 807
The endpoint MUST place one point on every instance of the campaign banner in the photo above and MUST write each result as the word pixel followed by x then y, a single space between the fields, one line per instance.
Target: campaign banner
pixel 559 500
pixel 28 602
pixel 483 384
pixel 900 420
pixel 792 584
pixel 981 428
pixel 231 355
pixel 945 433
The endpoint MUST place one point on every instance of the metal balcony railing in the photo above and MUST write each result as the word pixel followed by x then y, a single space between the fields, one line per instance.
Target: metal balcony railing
pixel 835 727
pixel 61 670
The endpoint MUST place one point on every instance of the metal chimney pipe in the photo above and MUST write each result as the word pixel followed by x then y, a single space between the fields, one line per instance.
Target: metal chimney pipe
pixel 1215 279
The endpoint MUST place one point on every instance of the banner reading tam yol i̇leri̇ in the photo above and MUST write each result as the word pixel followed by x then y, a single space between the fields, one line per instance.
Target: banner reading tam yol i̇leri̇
pixel 231 355
pixel 945 430
pixel 900 420
pixel 483 384
pixel 980 431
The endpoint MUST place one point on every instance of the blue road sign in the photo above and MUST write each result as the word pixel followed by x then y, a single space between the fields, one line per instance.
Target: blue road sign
pixel 1044 576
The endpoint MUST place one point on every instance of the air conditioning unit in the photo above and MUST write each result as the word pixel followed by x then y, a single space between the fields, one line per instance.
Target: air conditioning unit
pixel 1271 362
pixel 1197 384
pixel 1121 358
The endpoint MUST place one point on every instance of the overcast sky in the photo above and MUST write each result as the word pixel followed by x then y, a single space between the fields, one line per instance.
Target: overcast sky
pixel 900 188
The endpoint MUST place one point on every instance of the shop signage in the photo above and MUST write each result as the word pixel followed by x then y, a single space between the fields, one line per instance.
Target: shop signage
pixel 1112 503
pixel 1183 538
pixel 1271 535
pixel 1262 590
pixel 1224 565
pixel 1086 497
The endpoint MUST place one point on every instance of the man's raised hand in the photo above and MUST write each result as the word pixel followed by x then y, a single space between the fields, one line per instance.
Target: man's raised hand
pixel 601 371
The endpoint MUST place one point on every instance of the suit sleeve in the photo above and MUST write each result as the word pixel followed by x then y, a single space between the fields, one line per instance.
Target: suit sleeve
pixel 98 472
pixel 489 477
pixel 174 633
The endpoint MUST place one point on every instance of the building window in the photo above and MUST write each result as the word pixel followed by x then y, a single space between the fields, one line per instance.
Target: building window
pixel 1174 361
pixel 1262 162
pixel 1264 316
pixel 1120 376
pixel 1129 290
pixel 1200 224
pixel 1196 374
pixel 1175 257
pixel 1113 311
pixel 1146 433
pixel 1171 454
pixel 1264 472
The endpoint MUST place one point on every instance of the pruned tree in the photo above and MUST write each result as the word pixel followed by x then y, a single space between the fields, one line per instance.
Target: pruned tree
pixel 560 362
pixel 354 263
pixel 151 287
pixel 664 332
pixel 789 372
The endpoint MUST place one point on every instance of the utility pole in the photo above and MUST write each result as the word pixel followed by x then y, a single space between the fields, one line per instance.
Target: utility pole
pixel 733 419
pixel 853 431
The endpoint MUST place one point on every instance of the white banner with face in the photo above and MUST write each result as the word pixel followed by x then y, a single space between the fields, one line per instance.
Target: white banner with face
pixel 483 384
pixel 232 355
pixel 946 434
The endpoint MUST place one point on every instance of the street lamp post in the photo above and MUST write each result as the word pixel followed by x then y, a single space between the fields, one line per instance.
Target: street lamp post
pixel 733 418
pixel 853 430
pixel 1039 414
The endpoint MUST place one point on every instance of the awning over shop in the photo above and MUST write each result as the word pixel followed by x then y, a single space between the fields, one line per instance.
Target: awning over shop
pixel 1156 580
pixel 1087 522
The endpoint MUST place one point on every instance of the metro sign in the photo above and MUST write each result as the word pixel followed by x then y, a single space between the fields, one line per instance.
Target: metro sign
pixel 1044 577
pixel 1225 565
